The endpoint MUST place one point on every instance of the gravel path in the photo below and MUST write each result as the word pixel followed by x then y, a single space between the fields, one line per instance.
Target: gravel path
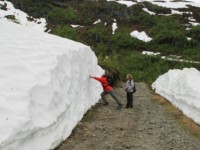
pixel 148 126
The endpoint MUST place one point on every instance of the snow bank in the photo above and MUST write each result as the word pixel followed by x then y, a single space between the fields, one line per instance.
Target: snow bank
pixel 182 89
pixel 45 87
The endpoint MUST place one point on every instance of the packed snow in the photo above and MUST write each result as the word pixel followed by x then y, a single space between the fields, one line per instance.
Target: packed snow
pixel 45 87
pixel 182 89
pixel 141 36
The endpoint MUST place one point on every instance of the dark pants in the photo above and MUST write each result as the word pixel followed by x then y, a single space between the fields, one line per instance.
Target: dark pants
pixel 111 93
pixel 129 100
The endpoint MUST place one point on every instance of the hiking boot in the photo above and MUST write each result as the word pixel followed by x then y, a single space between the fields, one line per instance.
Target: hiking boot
pixel 119 106
pixel 105 104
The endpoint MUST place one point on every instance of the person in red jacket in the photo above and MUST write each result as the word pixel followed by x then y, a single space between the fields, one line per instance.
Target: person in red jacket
pixel 107 89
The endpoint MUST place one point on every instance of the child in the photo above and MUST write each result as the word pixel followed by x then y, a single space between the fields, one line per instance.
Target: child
pixel 129 90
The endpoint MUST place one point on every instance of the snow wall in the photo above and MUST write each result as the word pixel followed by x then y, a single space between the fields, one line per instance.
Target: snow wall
pixel 182 89
pixel 45 87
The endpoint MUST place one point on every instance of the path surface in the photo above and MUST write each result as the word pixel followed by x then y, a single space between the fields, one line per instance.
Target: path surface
pixel 148 126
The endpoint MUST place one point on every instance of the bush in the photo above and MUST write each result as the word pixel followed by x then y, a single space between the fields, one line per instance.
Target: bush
pixel 111 61
pixel 144 68
pixel 97 34
pixel 192 54
pixel 195 33
pixel 169 35
pixel 138 16
pixel 157 9
pixel 61 16
pixel 66 32
pixel 122 40
pixel 35 8
pixel 172 40
pixel 101 48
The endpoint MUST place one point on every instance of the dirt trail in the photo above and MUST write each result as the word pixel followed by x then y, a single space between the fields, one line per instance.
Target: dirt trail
pixel 150 125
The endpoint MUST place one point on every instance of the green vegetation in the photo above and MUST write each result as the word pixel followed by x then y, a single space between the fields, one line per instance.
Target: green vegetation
pixel 61 16
pixel 120 51
pixel 11 17
pixel 66 32
pixel 157 9
pixel 169 35
pixel 144 68
pixel 193 52
pixel 195 34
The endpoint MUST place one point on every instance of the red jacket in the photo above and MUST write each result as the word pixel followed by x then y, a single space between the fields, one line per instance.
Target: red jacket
pixel 104 83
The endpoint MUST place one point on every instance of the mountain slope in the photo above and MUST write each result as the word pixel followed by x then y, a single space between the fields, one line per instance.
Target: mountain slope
pixel 106 26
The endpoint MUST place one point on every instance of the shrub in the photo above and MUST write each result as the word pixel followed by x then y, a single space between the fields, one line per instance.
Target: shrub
pixel 61 16
pixel 122 40
pixel 66 32
pixel 144 68
pixel 138 16
pixel 169 34
pixel 195 33
pixel 174 39
pixel 97 34
pixel 157 9
pixel 192 54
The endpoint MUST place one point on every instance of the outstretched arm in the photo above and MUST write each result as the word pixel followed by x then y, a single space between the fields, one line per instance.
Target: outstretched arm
pixel 97 78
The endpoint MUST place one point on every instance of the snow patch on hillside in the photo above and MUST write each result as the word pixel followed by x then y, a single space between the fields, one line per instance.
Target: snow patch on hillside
pixel 21 17
pixel 141 36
